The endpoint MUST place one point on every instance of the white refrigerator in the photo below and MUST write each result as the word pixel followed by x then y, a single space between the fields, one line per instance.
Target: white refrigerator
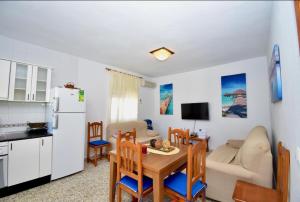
pixel 67 124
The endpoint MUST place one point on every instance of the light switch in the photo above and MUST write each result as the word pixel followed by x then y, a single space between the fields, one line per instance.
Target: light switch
pixel 298 155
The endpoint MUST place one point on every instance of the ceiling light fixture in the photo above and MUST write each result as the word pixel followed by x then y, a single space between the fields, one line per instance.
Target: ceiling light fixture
pixel 162 53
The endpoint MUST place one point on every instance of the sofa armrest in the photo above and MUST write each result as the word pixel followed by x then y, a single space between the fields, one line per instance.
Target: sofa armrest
pixel 235 143
pixel 221 179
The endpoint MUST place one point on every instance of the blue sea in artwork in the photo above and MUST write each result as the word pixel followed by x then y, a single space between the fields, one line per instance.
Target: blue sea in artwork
pixel 234 98
pixel 166 99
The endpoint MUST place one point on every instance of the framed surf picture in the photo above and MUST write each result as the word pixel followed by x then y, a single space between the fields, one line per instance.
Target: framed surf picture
pixel 275 77
pixel 166 99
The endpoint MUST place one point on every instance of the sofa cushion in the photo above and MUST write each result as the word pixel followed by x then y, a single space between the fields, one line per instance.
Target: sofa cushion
pixel 237 144
pixel 254 149
pixel 133 184
pixel 140 126
pixel 223 154
pixel 178 183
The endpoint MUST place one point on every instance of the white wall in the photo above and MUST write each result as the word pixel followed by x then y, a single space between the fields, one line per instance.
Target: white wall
pixel 65 69
pixel 146 103
pixel 20 113
pixel 94 79
pixel 86 74
pixel 64 65
pixel 286 114
pixel 205 86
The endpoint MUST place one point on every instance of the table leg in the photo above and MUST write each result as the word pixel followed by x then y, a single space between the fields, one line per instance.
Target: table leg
pixel 158 188
pixel 112 180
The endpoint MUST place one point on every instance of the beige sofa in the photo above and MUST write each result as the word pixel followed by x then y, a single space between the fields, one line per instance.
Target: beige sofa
pixel 249 160
pixel 142 134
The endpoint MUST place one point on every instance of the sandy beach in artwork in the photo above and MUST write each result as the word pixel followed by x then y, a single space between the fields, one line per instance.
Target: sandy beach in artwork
pixel 166 99
pixel 234 96
pixel 165 104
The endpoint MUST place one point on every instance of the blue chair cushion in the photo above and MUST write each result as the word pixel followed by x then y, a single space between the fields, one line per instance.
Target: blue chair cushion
pixel 178 183
pixel 133 184
pixel 99 142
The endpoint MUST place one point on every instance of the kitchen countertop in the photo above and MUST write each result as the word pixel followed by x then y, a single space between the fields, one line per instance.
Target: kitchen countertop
pixel 11 136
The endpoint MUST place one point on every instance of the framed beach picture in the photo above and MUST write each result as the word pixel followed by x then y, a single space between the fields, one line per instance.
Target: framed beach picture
pixel 166 99
pixel 234 96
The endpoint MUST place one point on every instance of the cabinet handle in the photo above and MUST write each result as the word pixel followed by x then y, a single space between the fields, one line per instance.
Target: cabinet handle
pixel 32 96
pixel 11 147
pixel 42 142
pixel 28 96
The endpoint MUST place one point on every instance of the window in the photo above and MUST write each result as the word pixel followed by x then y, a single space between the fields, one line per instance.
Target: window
pixel 124 95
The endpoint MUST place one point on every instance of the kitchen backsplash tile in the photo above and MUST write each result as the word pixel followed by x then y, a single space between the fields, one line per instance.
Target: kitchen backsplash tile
pixel 20 112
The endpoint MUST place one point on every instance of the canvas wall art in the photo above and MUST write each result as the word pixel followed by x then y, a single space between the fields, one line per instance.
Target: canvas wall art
pixel 234 96
pixel 166 99
pixel 276 81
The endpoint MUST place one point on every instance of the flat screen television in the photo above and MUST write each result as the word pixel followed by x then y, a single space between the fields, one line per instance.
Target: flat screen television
pixel 195 111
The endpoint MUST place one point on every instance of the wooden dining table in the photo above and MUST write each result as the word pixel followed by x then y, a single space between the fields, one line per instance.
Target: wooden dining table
pixel 155 166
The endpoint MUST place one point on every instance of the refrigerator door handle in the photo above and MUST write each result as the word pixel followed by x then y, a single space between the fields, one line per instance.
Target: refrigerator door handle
pixel 56 104
pixel 55 121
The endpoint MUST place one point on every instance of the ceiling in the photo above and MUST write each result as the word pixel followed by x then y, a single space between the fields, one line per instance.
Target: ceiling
pixel 121 34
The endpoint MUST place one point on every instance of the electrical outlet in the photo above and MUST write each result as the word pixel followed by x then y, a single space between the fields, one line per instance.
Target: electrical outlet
pixel 298 155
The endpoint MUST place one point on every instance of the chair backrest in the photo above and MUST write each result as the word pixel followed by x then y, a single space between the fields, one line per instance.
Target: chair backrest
pixel 129 135
pixel 95 130
pixel 283 169
pixel 180 136
pixel 196 166
pixel 129 157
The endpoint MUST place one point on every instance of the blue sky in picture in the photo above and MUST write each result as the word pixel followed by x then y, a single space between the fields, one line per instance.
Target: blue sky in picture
pixel 230 84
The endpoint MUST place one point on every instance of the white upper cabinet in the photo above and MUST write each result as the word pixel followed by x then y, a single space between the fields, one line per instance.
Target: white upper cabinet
pixel 4 79
pixel 29 83
pixel 41 80
pixel 20 85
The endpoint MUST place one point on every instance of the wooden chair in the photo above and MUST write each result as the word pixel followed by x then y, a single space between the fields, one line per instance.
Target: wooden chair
pixel 95 141
pixel 129 135
pixel 129 158
pixel 249 192
pixel 188 187
pixel 178 135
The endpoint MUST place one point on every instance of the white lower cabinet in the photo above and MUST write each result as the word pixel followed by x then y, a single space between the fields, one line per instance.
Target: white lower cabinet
pixel 29 159
pixel 45 156
pixel 23 161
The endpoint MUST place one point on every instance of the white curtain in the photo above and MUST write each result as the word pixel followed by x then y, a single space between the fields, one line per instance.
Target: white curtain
pixel 124 95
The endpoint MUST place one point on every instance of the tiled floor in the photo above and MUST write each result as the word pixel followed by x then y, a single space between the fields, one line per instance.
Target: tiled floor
pixel 89 185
